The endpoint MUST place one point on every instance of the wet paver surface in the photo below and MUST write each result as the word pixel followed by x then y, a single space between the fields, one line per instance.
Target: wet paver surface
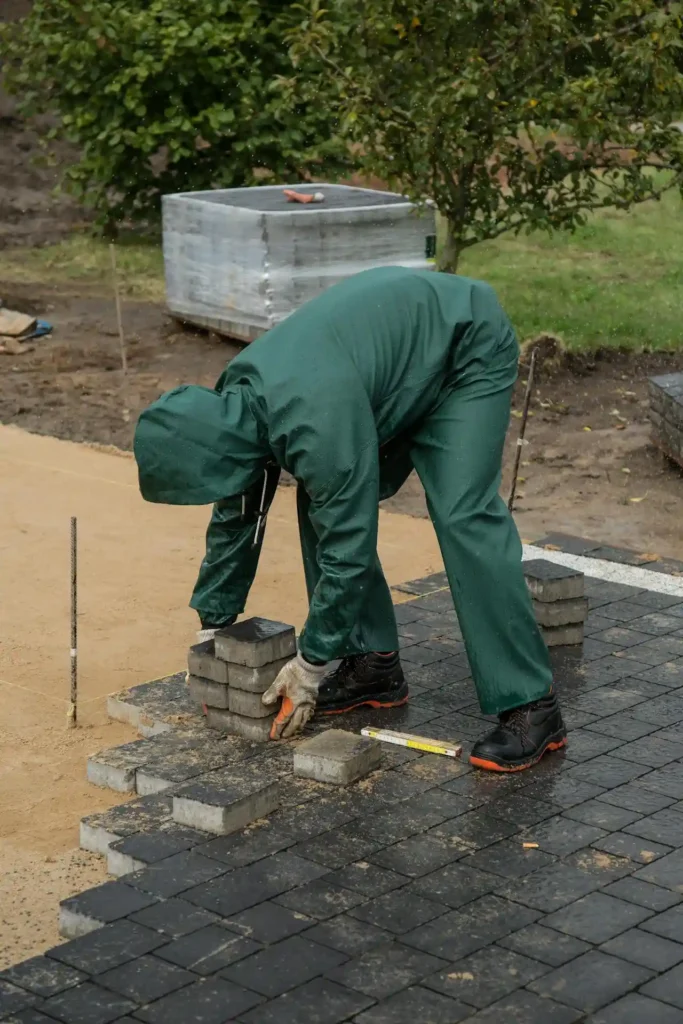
pixel 428 891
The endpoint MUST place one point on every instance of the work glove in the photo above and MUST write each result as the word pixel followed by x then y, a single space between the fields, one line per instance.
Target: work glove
pixel 297 683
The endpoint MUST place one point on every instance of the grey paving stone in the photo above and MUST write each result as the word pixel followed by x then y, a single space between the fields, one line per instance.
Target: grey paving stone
pixel 524 1007
pixel 255 642
pixel 88 1004
pixel 42 976
pixel 419 654
pixel 418 855
pixel 209 1000
pixel 349 936
pixel 635 798
pixel 367 878
pixel 544 944
pixel 637 1009
pixel 653 897
pixel 455 885
pixel 667 872
pixel 551 888
pixel 317 1001
pixel 665 710
pixel 306 822
pixel 241 702
pixel 138 851
pixel 339 847
pixel 116 767
pixel 337 757
pixel 622 637
pixel 602 867
pixel 189 762
pixel 592 981
pixel 398 911
pixel 175 874
pixel 415 1004
pixel 646 949
pixel 486 976
pixel 669 673
pixel 642 851
pixel 549 582
pixel 284 966
pixel 33 1017
pixel 668 924
pixel 208 950
pixel 603 816
pixel 586 744
pixel 107 948
pixel 608 700
pixel 13 998
pixel 562 836
pixel 102 905
pixel 245 887
pixel 383 971
pixel 255 730
pixel 320 899
pixel 145 814
pixel 667 781
pixel 268 922
pixel 464 931
pixel 650 750
pixel 597 917
pixel 623 726
pixel 475 830
pixel 154 707
pixel 563 792
pixel 508 858
pixel 667 987
pixel 561 613
pixel 209 692
pixel 657 623
pixel 145 979
pixel 202 662
pixel 227 803
pixel 174 917
pixel 242 848
pixel 607 770
pixel 255 680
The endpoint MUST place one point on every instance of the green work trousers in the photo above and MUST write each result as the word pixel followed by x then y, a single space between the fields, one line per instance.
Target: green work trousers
pixel 457 452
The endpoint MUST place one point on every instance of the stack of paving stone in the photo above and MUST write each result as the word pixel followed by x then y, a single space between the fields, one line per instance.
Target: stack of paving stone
pixel 559 602
pixel 229 675
pixel 666 414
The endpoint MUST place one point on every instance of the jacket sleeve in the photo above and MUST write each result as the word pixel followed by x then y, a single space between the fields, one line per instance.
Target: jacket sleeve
pixel 335 458
pixel 229 565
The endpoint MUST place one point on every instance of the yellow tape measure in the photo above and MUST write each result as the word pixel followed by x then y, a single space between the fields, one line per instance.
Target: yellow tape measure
pixel 407 739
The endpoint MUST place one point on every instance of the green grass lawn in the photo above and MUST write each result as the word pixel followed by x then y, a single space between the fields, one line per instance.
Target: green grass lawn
pixel 616 282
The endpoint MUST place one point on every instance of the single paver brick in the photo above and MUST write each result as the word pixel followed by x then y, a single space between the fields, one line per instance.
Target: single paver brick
pixel 548 581
pixel 208 692
pixel 255 729
pixel 255 642
pixel 202 662
pixel 88 1004
pixel 96 907
pixel 337 756
pixel 226 805
pixel 561 613
pixel 255 680
pixel 241 702
pixel 563 636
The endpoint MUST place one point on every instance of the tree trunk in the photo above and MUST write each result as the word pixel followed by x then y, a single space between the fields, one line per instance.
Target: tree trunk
pixel 449 254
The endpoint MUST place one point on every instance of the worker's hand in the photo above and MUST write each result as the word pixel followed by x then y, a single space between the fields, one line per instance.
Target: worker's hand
pixel 297 683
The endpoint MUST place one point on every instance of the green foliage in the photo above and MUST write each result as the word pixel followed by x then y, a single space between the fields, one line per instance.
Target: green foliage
pixel 509 114
pixel 168 95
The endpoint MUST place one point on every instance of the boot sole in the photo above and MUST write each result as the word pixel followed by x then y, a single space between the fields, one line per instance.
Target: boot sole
pixel 382 701
pixel 557 742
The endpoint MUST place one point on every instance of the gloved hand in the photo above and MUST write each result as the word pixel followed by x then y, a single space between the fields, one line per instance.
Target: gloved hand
pixel 297 683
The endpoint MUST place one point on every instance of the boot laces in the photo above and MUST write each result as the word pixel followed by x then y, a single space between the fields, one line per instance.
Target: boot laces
pixel 349 666
pixel 516 721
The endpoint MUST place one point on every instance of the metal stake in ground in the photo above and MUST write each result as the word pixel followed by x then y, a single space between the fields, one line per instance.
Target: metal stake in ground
pixel 122 340
pixel 522 429
pixel 72 713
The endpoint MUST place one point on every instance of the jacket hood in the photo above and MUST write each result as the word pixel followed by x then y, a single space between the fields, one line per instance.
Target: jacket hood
pixel 195 446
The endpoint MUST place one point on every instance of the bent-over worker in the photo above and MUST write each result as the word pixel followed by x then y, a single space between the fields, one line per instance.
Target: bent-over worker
pixel 388 370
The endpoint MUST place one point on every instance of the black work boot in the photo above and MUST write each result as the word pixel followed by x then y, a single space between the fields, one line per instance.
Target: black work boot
pixel 522 736
pixel 373 679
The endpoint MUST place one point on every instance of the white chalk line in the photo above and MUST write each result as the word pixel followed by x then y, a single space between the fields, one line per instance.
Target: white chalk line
pixel 611 572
